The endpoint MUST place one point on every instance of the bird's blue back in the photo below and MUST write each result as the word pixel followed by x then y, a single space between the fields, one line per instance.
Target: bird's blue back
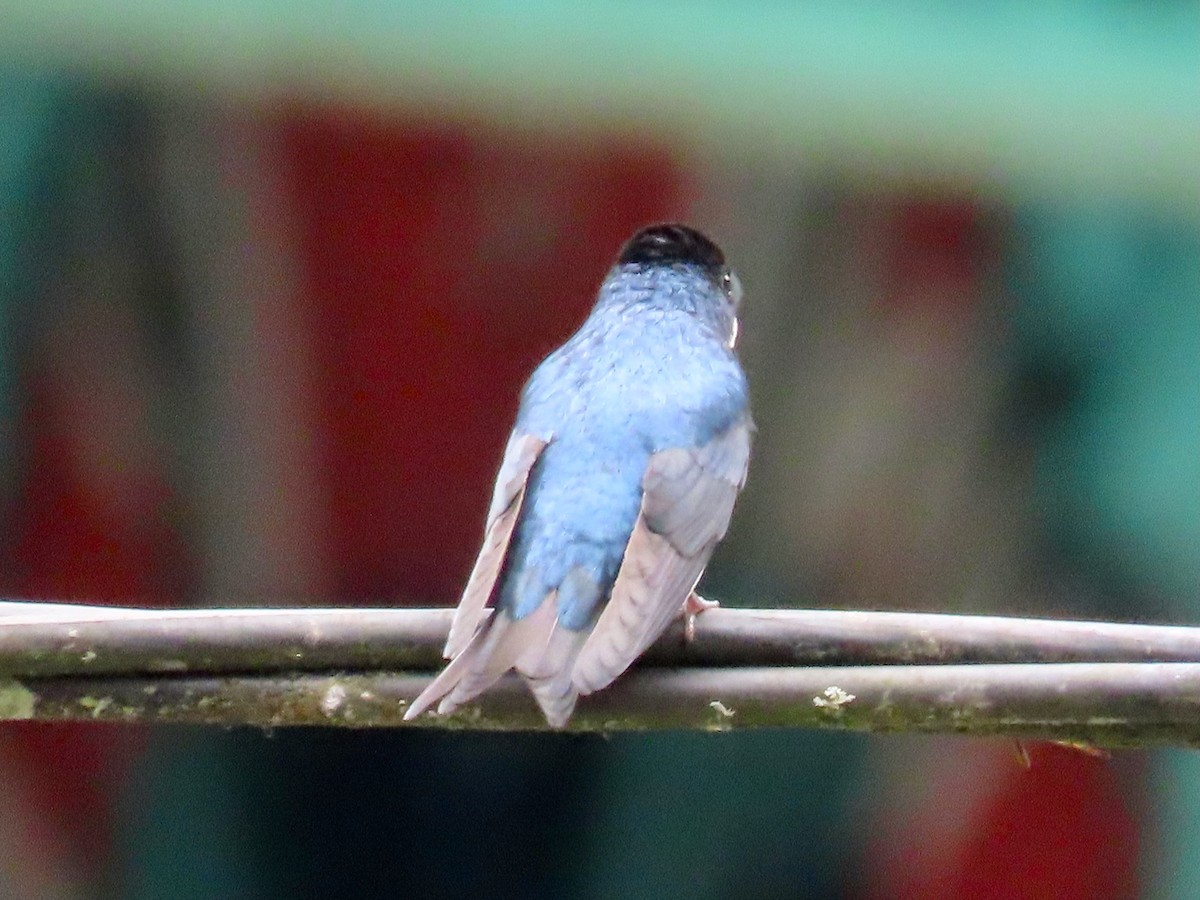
pixel 648 371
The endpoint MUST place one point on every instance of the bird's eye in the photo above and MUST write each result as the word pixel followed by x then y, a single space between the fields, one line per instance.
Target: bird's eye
pixel 732 286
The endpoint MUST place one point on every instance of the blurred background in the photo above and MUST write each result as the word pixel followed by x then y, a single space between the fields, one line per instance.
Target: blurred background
pixel 272 275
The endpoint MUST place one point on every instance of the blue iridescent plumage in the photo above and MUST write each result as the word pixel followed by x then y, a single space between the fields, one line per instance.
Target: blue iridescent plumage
pixel 628 450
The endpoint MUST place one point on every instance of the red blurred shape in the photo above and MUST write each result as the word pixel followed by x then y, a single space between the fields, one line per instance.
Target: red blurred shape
pixel 441 264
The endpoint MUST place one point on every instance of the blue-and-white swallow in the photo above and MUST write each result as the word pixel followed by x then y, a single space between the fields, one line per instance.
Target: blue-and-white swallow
pixel 629 450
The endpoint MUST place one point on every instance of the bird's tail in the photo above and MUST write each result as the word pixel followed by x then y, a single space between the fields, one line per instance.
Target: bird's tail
pixel 536 646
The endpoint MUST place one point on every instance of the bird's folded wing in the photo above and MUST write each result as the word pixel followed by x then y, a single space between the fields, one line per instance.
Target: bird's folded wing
pixel 519 456
pixel 687 500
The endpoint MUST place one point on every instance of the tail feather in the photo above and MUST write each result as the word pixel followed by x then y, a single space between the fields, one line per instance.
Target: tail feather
pixel 552 679
pixel 445 681
pixel 502 643
pixel 509 644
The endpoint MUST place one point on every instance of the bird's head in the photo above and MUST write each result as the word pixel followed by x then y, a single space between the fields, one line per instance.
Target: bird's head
pixel 676 246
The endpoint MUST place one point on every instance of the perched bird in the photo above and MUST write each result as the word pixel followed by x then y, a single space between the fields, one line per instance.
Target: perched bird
pixel 629 449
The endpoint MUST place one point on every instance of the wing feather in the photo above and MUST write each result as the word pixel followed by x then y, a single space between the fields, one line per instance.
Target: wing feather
pixel 521 453
pixel 687 502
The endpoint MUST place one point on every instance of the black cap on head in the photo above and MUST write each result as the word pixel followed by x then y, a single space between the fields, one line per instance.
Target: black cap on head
pixel 672 243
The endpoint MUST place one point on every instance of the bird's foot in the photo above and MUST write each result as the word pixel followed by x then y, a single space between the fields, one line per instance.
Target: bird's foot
pixel 692 607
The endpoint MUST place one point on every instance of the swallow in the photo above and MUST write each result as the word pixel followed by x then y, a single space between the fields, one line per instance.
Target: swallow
pixel 630 447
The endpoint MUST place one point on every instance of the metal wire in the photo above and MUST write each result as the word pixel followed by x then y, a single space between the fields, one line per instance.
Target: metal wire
pixel 1087 682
